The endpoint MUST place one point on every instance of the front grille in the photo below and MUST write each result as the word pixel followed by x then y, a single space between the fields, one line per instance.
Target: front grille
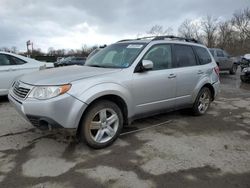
pixel 20 90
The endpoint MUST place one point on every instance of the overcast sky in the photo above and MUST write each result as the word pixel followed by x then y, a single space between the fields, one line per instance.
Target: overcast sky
pixel 73 23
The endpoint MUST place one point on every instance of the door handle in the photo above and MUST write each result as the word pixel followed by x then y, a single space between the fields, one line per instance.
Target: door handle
pixel 200 72
pixel 10 69
pixel 172 76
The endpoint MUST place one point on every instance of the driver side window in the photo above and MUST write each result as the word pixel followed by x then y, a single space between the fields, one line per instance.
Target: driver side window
pixel 161 56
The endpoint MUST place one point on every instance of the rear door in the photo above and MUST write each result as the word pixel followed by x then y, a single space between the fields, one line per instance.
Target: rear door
pixel 188 73
pixel 222 60
pixel 228 60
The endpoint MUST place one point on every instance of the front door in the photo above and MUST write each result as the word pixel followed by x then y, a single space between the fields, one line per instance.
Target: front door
pixel 154 89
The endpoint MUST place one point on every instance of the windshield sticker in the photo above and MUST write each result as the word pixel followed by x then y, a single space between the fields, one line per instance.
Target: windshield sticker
pixel 135 46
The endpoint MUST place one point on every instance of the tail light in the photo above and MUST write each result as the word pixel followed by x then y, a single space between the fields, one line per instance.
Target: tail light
pixel 217 71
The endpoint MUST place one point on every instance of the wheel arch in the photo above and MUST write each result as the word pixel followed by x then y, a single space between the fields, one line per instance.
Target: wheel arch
pixel 202 84
pixel 211 88
pixel 118 100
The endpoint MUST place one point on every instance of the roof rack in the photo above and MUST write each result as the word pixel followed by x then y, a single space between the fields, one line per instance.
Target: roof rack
pixel 174 37
pixel 163 37
pixel 141 38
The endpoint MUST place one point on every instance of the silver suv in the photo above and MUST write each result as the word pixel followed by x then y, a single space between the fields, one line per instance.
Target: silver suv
pixel 123 82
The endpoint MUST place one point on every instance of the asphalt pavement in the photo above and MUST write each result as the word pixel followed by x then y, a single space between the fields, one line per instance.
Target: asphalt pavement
pixel 186 151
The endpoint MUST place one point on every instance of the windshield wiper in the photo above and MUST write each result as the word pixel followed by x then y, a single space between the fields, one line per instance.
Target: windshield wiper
pixel 102 66
pixel 96 66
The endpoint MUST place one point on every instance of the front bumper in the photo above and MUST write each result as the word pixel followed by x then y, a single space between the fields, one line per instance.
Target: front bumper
pixel 62 111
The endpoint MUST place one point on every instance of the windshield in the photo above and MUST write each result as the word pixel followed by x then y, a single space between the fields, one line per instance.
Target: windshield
pixel 66 59
pixel 120 55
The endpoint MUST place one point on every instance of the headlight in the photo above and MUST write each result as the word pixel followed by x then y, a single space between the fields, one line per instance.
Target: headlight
pixel 48 92
pixel 245 70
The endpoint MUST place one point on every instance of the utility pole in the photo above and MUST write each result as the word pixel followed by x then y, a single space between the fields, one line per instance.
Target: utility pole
pixel 32 48
pixel 29 43
pixel 28 51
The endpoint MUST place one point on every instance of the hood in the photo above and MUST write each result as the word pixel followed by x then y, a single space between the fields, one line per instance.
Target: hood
pixel 64 75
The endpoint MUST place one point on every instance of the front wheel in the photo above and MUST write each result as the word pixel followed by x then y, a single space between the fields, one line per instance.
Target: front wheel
pixel 202 101
pixel 233 69
pixel 243 78
pixel 102 124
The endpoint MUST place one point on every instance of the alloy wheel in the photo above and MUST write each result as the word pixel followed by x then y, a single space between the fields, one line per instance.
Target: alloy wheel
pixel 104 125
pixel 204 102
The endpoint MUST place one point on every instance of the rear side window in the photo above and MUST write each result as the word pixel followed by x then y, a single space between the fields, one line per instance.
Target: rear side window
pixel 226 54
pixel 17 61
pixel 203 55
pixel 219 53
pixel 184 56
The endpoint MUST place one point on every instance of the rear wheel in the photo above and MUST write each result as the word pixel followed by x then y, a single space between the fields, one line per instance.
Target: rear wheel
pixel 202 101
pixel 101 124
pixel 233 69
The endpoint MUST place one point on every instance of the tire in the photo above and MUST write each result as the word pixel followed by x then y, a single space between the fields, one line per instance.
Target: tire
pixel 233 69
pixel 202 101
pixel 243 78
pixel 101 125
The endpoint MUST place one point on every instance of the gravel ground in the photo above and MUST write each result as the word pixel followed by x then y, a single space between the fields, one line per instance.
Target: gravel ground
pixel 208 151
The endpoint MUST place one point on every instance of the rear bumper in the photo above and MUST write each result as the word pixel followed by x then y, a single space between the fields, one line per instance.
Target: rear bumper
pixel 62 111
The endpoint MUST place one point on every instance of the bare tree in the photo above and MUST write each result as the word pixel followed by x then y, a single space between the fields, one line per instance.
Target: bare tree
pixel 209 26
pixel 37 52
pixel 51 51
pixel 225 38
pixel 190 29
pixel 60 52
pixel 5 49
pixel 157 30
pixel 241 23
pixel 14 49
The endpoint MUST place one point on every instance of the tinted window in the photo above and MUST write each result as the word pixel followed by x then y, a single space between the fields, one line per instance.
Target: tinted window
pixel 161 56
pixel 17 61
pixel 212 52
pixel 80 59
pixel 203 55
pixel 219 53
pixel 184 56
pixel 4 60
pixel 226 54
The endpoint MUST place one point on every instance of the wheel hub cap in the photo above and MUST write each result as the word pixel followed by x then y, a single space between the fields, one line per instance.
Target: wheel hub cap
pixel 104 125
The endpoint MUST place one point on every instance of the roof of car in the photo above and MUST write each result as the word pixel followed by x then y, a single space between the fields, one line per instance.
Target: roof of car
pixel 9 53
pixel 168 38
pixel 19 56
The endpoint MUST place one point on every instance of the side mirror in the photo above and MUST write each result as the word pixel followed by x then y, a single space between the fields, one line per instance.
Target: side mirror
pixel 147 64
